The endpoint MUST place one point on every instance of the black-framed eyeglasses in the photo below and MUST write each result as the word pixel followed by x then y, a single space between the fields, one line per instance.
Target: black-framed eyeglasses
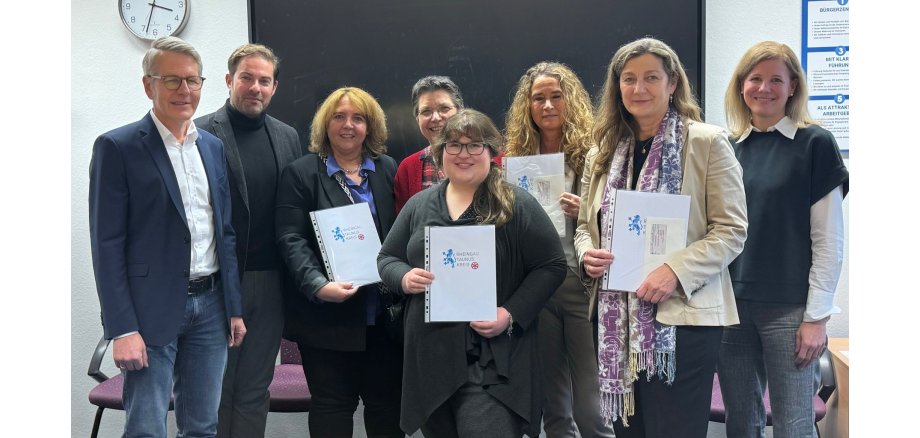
pixel 454 148
pixel 174 82
pixel 443 111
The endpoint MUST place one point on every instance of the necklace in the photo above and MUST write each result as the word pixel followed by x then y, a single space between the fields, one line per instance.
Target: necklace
pixel 645 144
pixel 351 172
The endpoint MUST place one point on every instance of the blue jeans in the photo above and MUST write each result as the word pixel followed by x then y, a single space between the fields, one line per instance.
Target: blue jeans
pixel 758 352
pixel 191 367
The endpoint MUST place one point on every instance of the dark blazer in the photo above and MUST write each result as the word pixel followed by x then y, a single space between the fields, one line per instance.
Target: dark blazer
pixel 139 235
pixel 305 186
pixel 284 142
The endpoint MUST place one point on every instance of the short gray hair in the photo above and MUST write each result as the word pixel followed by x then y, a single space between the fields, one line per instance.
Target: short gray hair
pixel 168 44
pixel 435 83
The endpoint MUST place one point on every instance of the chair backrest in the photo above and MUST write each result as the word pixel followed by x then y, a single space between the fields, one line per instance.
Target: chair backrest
pixel 289 352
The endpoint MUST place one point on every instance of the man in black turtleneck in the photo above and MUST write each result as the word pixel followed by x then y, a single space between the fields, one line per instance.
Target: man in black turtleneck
pixel 257 147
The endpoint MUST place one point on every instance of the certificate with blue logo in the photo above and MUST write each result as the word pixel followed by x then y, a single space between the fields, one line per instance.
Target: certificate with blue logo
pixel 462 260
pixel 348 243
pixel 645 229
pixel 543 176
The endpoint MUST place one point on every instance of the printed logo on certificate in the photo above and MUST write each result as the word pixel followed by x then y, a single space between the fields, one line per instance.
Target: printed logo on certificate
pixel 543 176
pixel 644 230
pixel 462 260
pixel 348 243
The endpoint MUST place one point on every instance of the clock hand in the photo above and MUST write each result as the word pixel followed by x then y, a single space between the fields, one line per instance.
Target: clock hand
pixel 149 16
pixel 158 6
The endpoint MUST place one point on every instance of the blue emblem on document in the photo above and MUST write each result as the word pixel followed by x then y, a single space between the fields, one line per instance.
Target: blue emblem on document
pixel 337 234
pixel 636 224
pixel 449 258
pixel 524 183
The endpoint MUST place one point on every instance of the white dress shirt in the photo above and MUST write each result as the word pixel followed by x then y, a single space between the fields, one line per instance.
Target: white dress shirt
pixel 196 198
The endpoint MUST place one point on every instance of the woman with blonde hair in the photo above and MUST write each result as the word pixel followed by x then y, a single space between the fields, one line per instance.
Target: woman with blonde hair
pixel 474 379
pixel 339 328
pixel 795 182
pixel 658 346
pixel 551 113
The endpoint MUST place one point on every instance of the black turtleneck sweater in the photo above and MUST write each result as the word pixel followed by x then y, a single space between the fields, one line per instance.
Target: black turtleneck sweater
pixel 261 171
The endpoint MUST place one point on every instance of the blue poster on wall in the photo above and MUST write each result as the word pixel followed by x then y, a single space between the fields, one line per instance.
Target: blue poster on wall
pixel 826 59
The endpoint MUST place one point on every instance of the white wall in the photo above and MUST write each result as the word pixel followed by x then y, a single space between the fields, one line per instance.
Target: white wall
pixel 732 27
pixel 107 93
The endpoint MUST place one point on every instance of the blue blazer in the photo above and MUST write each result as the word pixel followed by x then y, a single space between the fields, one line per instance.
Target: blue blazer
pixel 139 235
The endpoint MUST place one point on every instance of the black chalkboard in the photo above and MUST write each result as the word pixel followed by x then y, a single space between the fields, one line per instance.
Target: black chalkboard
pixel 384 46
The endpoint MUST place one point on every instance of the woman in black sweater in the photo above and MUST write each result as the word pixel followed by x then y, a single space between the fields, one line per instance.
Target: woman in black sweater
pixel 478 378
pixel 785 279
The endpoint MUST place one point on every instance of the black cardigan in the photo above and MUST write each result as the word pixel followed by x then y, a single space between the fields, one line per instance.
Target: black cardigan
pixel 530 266
pixel 305 187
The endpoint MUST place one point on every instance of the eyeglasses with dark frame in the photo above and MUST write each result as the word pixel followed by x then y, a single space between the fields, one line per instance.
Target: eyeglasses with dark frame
pixel 174 82
pixel 454 148
pixel 428 112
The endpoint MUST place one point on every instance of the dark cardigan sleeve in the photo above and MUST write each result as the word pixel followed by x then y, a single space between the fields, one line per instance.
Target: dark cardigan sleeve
pixel 295 201
pixel 543 260
pixel 392 261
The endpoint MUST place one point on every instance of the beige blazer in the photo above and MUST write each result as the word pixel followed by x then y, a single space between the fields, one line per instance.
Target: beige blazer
pixel 715 235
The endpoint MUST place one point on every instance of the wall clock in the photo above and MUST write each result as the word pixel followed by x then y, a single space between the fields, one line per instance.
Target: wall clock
pixel 152 19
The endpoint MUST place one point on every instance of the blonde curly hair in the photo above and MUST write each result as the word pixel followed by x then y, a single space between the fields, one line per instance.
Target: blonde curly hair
pixel 522 134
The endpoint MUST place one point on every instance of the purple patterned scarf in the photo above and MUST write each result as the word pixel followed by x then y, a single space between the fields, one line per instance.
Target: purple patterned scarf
pixel 630 339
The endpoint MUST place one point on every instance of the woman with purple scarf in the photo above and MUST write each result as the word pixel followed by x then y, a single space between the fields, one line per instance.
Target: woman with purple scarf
pixel 658 347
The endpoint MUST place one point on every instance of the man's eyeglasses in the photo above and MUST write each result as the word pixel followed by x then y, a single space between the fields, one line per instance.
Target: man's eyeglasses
pixel 443 111
pixel 454 148
pixel 174 82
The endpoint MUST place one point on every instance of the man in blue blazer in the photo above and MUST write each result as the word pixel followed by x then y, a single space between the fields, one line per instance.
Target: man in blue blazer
pixel 164 252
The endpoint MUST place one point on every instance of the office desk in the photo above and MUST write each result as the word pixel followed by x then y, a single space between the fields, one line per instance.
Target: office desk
pixel 837 422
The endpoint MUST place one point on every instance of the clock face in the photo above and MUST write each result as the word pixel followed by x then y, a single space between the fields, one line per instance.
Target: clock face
pixel 152 19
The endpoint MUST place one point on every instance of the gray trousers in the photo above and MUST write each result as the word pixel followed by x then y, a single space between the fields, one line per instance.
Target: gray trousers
pixel 472 413
pixel 251 366
pixel 760 352
pixel 567 350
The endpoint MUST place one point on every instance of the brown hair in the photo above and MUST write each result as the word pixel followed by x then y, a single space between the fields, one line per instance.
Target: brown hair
pixel 374 145
pixel 613 122
pixel 494 199
pixel 247 50
pixel 523 135
pixel 737 113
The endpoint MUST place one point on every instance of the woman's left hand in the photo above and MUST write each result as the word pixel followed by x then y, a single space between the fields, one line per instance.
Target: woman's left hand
pixel 491 329
pixel 658 286
pixel 570 204
pixel 810 340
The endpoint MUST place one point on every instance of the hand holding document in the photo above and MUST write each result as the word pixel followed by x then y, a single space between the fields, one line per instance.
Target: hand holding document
pixel 462 260
pixel 543 176
pixel 645 228
pixel 348 243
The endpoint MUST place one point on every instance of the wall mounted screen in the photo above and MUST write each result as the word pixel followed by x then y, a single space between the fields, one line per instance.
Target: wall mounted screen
pixel 384 46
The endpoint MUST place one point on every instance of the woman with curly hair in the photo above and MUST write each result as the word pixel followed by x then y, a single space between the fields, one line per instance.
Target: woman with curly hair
pixel 551 113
